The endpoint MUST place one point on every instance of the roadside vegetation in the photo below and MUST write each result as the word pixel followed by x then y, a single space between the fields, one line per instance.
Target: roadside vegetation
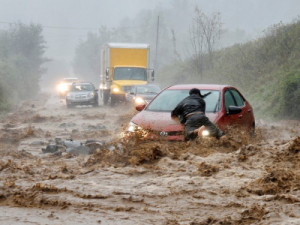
pixel 267 70
pixel 21 58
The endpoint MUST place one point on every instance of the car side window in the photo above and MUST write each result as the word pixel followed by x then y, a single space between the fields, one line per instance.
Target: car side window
pixel 229 100
pixel 238 98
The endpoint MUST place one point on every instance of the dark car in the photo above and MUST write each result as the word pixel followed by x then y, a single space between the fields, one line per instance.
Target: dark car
pixel 142 94
pixel 82 93
pixel 225 106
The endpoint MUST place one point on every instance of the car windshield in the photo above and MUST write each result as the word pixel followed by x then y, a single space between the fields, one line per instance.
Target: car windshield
pixel 130 73
pixel 168 100
pixel 149 89
pixel 82 87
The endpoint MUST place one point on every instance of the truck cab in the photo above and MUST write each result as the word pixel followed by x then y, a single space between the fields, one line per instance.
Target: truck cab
pixel 123 66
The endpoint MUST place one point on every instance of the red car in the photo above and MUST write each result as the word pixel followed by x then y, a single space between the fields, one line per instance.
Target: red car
pixel 225 106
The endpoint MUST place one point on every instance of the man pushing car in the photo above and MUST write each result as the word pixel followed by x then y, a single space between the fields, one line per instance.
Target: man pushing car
pixel 191 113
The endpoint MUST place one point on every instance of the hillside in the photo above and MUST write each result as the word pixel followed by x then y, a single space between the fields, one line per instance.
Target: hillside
pixel 266 70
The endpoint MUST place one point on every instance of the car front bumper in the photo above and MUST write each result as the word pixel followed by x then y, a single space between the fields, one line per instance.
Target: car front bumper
pixel 81 101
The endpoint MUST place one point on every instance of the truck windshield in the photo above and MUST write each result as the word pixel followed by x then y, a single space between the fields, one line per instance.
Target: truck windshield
pixel 130 73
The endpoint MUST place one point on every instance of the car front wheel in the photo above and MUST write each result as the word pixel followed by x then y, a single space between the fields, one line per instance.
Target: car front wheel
pixel 252 131
pixel 69 105
pixel 96 104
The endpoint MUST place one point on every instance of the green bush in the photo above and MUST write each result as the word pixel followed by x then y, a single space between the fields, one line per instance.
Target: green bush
pixel 291 96
pixel 261 69
pixel 21 56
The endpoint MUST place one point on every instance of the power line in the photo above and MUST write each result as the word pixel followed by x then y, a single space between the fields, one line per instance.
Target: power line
pixel 57 27
pixel 70 28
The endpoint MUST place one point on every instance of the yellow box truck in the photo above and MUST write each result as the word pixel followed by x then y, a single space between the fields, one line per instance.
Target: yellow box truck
pixel 122 66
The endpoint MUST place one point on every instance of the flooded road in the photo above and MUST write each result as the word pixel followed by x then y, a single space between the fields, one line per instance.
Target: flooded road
pixel 237 181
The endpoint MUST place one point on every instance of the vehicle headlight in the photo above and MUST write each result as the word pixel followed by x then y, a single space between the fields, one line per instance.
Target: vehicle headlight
pixel 116 90
pixel 62 87
pixel 91 94
pixel 205 133
pixel 132 127
pixel 69 96
pixel 139 101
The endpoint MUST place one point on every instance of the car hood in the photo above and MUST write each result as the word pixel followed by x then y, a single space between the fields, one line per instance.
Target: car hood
pixel 80 92
pixel 162 121
pixel 146 96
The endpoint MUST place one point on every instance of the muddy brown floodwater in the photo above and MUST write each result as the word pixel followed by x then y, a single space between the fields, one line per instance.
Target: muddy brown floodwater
pixel 237 181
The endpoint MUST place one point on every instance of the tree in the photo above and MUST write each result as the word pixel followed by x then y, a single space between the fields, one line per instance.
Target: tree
pixel 22 48
pixel 204 33
pixel 87 55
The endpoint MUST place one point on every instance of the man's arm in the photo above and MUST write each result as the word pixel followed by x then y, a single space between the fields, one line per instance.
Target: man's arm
pixel 177 111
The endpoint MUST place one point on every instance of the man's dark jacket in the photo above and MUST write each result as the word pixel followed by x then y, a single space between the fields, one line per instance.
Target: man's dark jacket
pixel 192 103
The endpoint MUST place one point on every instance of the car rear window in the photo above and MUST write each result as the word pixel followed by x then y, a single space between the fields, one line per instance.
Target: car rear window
pixel 168 100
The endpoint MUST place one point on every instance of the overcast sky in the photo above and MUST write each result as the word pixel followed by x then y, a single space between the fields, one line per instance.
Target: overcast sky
pixel 65 22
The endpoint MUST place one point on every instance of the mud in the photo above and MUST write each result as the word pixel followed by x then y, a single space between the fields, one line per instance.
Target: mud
pixel 240 180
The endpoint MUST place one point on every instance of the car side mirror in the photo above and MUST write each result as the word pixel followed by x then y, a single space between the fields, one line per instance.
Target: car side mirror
pixel 152 75
pixel 233 110
pixel 140 107
pixel 107 73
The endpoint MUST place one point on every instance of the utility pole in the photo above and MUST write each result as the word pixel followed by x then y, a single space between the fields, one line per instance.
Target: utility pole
pixel 156 47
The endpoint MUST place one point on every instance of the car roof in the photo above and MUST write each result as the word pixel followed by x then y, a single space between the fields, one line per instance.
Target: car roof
pixel 199 86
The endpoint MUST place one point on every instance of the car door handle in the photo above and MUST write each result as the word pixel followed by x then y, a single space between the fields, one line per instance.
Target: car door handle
pixel 240 116
pixel 249 110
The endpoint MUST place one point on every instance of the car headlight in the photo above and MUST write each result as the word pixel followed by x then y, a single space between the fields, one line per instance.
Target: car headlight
pixel 205 133
pixel 62 87
pixel 91 94
pixel 132 127
pixel 134 130
pixel 139 101
pixel 70 96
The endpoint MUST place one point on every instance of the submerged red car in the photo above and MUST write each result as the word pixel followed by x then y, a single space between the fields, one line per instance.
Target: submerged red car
pixel 225 106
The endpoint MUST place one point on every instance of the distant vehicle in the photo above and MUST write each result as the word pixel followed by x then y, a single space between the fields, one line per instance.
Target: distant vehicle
pixel 225 106
pixel 82 93
pixel 142 94
pixel 64 86
pixel 122 66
